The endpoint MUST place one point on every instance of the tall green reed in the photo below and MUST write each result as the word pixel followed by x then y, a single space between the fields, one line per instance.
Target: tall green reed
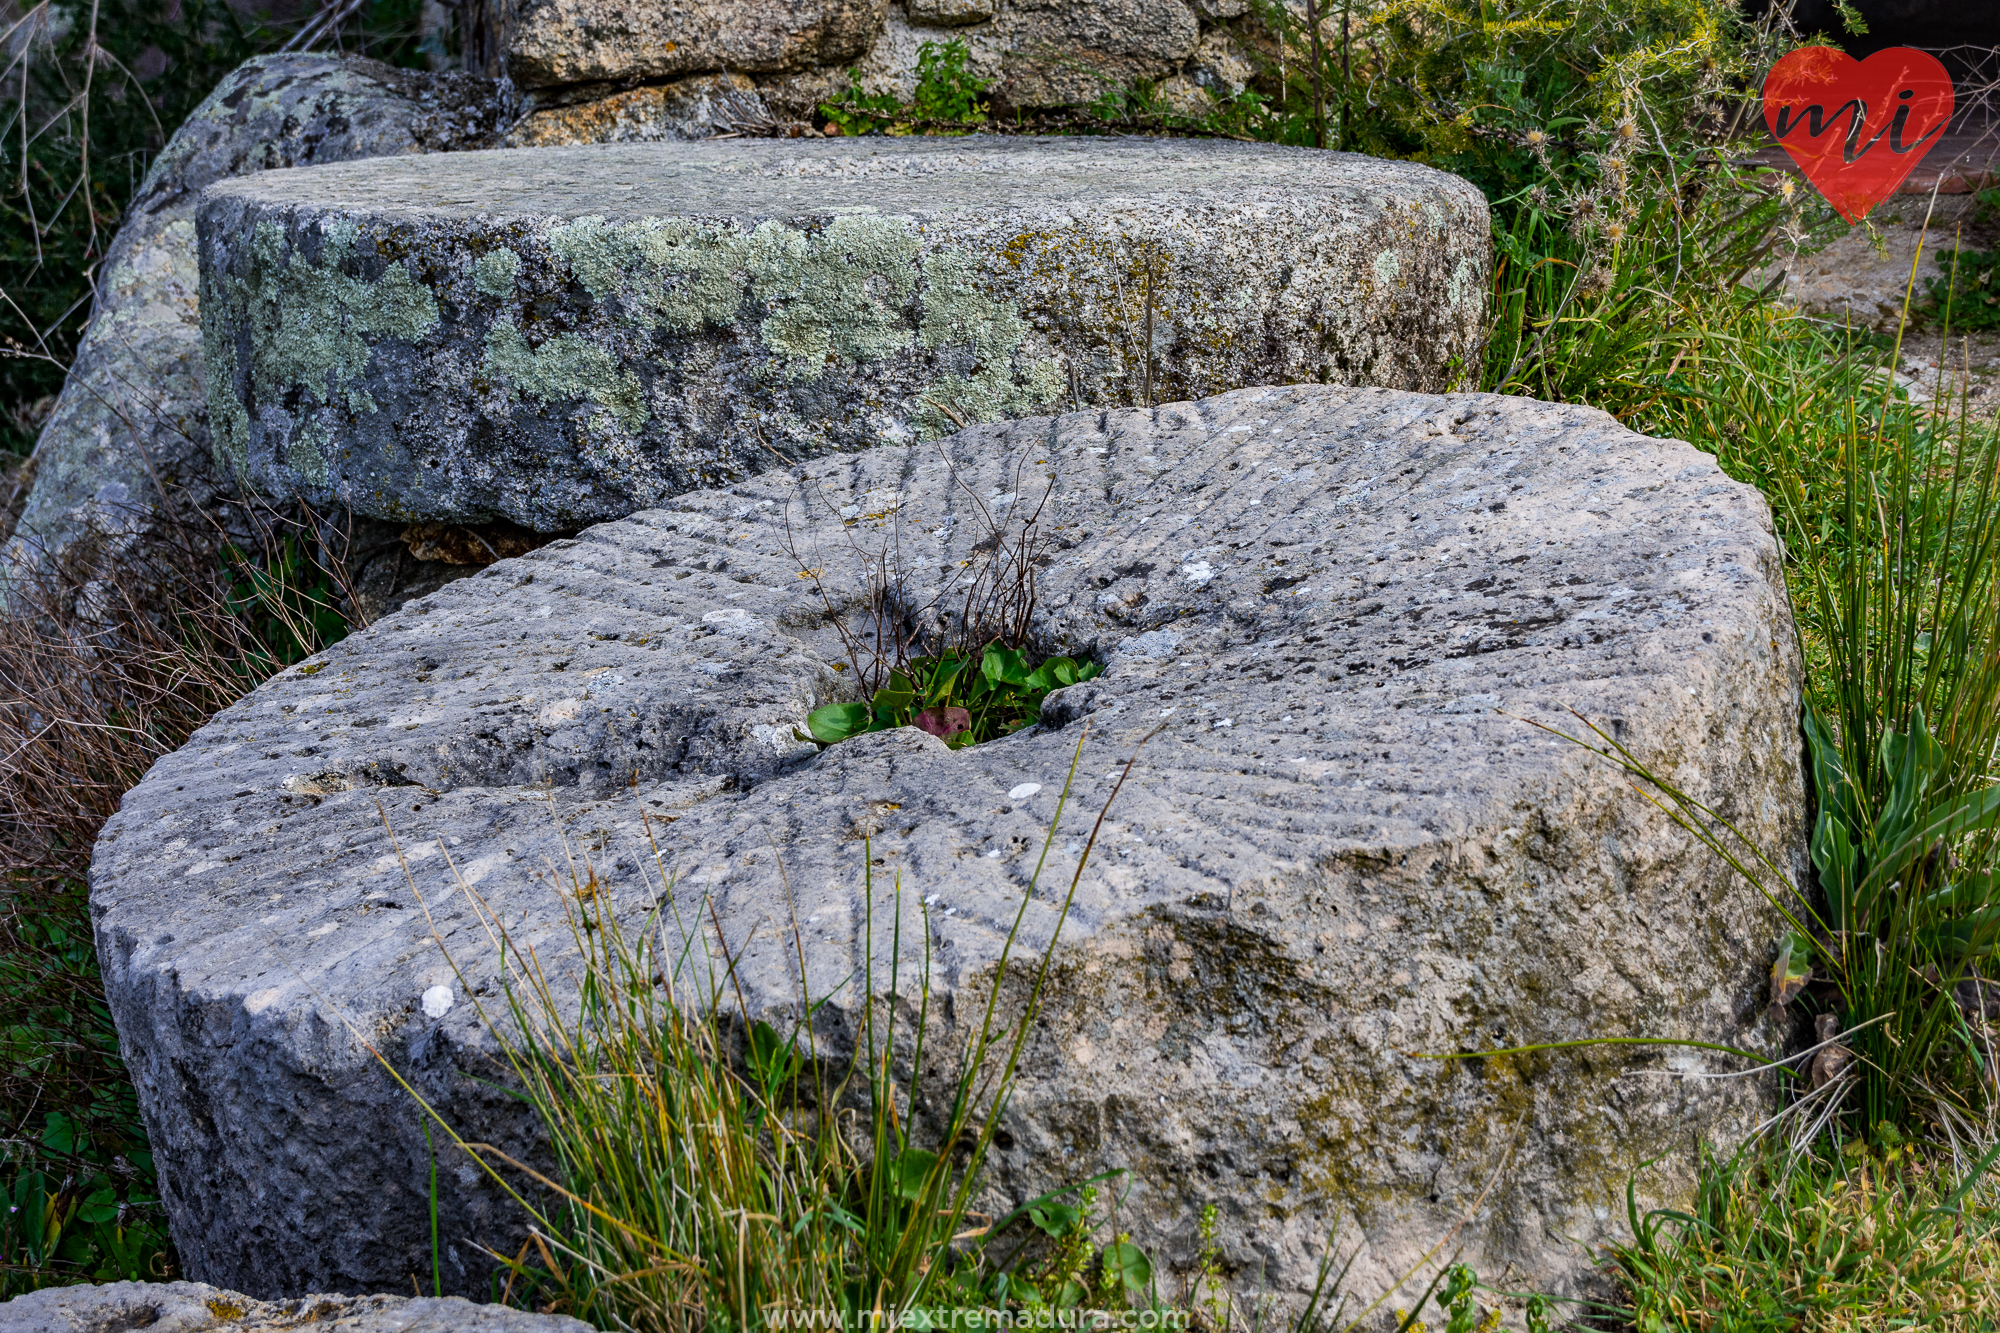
pixel 1889 514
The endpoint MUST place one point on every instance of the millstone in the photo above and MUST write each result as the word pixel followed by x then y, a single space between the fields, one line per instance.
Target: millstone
pixel 1342 607
pixel 194 1307
pixel 560 336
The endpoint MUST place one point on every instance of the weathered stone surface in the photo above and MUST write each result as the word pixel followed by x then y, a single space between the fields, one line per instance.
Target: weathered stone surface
pixel 1863 279
pixel 562 336
pixel 1038 53
pixel 1055 53
pixel 696 108
pixel 196 1307
pixel 1032 53
pixel 545 42
pixel 133 417
pixel 1345 846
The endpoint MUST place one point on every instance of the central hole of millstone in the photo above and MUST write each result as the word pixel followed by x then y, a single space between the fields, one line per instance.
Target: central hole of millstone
pixel 962 695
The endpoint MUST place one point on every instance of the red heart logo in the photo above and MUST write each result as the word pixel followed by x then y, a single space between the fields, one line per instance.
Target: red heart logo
pixel 1857 127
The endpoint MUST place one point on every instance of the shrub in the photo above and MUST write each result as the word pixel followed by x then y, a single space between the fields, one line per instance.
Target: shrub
pixel 945 101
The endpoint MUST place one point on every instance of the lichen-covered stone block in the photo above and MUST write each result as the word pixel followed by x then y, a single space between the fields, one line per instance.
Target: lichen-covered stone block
pixel 545 42
pixel 1349 844
pixel 696 108
pixel 132 418
pixel 561 336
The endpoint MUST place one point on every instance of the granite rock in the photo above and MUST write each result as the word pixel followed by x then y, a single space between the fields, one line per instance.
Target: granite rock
pixel 696 108
pixel 1343 608
pixel 552 42
pixel 1038 53
pixel 557 337
pixel 1057 53
pixel 195 1307
pixel 1032 54
pixel 132 417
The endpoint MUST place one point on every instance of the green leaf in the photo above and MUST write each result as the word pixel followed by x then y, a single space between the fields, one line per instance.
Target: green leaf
pixel 101 1206
pixel 1944 823
pixel 1835 835
pixel 1968 893
pixel 1974 935
pixel 1090 671
pixel 1054 1219
pixel 833 1213
pixel 892 705
pixel 1912 759
pixel 836 722
pixel 1005 664
pixel 773 1060
pixel 1792 969
pixel 912 1169
pixel 939 676
pixel 59 1134
pixel 1129 1264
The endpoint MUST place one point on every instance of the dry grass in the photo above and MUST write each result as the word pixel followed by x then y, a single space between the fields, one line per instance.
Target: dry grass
pixel 103 669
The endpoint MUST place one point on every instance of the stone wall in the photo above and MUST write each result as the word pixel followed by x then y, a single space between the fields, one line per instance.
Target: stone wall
pixel 1035 53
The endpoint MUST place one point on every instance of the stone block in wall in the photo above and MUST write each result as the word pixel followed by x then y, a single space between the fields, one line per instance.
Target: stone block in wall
pixel 696 108
pixel 545 43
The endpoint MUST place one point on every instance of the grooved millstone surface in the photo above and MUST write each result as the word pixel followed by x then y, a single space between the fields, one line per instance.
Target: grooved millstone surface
pixel 196 1307
pixel 559 336
pixel 1345 844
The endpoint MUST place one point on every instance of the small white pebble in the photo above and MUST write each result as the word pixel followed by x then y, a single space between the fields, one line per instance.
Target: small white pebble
pixel 437 1001
pixel 1024 791
pixel 993 855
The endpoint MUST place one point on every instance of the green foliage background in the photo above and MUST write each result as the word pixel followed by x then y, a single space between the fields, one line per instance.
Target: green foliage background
pixel 77 135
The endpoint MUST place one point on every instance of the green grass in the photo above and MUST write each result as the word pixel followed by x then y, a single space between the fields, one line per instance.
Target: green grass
pixel 713 1171
pixel 76 1199
pixel 1863 1238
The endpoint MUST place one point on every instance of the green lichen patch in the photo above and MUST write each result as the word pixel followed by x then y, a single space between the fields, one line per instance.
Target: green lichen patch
pixel 959 312
pixel 564 369
pixel 310 327
pixel 822 293
pixel 493 272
